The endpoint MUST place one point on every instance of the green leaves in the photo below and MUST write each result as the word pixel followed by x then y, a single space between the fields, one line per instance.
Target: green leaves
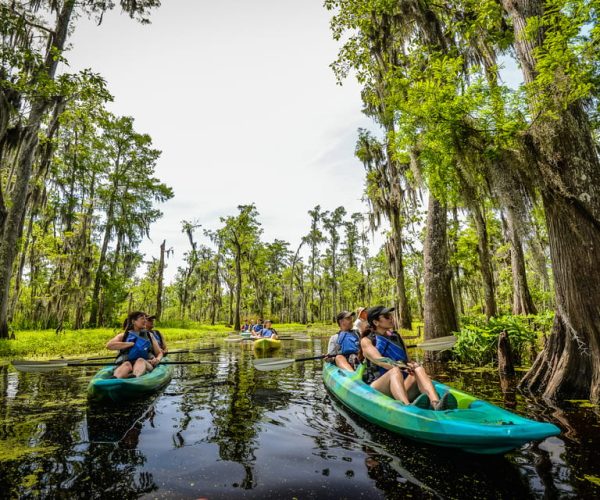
pixel 478 340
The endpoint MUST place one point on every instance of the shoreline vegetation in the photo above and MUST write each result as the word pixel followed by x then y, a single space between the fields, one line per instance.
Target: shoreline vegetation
pixel 41 344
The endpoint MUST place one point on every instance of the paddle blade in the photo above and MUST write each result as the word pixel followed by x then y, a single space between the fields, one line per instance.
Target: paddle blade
pixel 439 344
pixel 37 366
pixel 269 364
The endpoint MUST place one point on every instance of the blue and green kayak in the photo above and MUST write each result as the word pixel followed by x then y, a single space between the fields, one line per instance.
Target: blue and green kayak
pixel 476 426
pixel 104 387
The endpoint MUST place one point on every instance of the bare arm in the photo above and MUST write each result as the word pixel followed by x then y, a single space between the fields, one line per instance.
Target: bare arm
pixel 372 354
pixel 116 343
pixel 156 350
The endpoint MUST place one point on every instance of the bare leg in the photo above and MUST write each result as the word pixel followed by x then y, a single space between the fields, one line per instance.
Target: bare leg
pixel 425 384
pixel 342 363
pixel 392 384
pixel 123 370
pixel 139 368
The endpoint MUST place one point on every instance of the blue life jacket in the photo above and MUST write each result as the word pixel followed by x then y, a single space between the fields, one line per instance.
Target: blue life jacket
pixel 158 337
pixel 390 349
pixel 257 328
pixel 140 348
pixel 348 342
pixel 266 332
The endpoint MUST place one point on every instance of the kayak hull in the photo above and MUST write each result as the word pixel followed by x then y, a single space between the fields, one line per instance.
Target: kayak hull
pixel 104 388
pixel 476 426
pixel 266 344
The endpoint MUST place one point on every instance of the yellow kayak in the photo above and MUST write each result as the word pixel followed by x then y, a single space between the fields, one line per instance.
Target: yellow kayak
pixel 266 344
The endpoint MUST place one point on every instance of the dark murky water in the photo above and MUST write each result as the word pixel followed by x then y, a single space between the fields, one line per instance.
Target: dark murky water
pixel 228 431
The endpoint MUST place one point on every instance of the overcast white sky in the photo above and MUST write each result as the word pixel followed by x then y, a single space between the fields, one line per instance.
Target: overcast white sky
pixel 240 98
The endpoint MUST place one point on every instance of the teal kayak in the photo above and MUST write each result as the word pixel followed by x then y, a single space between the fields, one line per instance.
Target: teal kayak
pixel 476 426
pixel 104 387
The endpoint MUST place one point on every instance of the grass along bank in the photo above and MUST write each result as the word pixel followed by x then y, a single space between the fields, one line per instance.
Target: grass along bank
pixel 91 342
pixel 49 344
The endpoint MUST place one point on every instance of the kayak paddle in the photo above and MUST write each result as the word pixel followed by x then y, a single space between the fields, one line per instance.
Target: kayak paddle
pixel 96 358
pixel 46 366
pixel 268 364
pixel 439 344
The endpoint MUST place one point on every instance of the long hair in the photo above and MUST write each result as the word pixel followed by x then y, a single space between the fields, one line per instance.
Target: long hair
pixel 131 317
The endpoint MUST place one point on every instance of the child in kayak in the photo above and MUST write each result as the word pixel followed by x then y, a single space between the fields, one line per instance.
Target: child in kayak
pixel 344 346
pixel 407 384
pixel 138 350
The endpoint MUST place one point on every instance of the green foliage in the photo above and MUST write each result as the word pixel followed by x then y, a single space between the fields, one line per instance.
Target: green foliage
pixel 478 339
pixel 46 343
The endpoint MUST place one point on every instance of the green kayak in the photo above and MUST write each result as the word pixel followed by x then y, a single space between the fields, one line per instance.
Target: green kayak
pixel 104 387
pixel 476 426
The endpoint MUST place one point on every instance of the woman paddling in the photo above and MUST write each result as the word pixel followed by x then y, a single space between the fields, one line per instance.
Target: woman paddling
pixel 138 350
pixel 380 340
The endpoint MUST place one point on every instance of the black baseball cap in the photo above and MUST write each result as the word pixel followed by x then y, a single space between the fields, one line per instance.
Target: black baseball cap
pixel 373 313
pixel 344 314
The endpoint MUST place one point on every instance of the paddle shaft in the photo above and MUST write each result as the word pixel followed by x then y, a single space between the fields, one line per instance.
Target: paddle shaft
pixel 44 366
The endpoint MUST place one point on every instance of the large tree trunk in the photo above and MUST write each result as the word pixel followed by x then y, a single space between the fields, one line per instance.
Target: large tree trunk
pixel 485 261
pixel 569 366
pixel 440 315
pixel 569 173
pixel 522 301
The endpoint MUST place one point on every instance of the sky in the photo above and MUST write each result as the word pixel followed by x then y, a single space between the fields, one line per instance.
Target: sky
pixel 240 98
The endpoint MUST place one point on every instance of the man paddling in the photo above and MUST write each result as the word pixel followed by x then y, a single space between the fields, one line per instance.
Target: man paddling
pixel 157 334
pixel 344 346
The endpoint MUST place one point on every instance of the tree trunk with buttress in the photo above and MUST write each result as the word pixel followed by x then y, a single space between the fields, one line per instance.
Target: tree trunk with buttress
pixel 563 151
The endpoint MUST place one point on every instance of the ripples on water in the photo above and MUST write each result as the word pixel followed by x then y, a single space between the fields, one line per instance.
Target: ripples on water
pixel 228 431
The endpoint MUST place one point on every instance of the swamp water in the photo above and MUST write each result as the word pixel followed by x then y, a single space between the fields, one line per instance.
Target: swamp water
pixel 228 431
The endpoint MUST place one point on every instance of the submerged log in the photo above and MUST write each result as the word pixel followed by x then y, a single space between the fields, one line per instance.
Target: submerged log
pixel 505 356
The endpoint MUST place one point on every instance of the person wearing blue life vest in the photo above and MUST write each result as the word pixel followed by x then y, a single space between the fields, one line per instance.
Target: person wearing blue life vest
pixel 344 346
pixel 257 329
pixel 138 349
pixel 268 331
pixel 157 334
pixel 408 384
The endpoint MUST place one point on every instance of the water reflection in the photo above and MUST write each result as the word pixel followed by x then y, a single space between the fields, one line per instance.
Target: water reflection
pixel 226 430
